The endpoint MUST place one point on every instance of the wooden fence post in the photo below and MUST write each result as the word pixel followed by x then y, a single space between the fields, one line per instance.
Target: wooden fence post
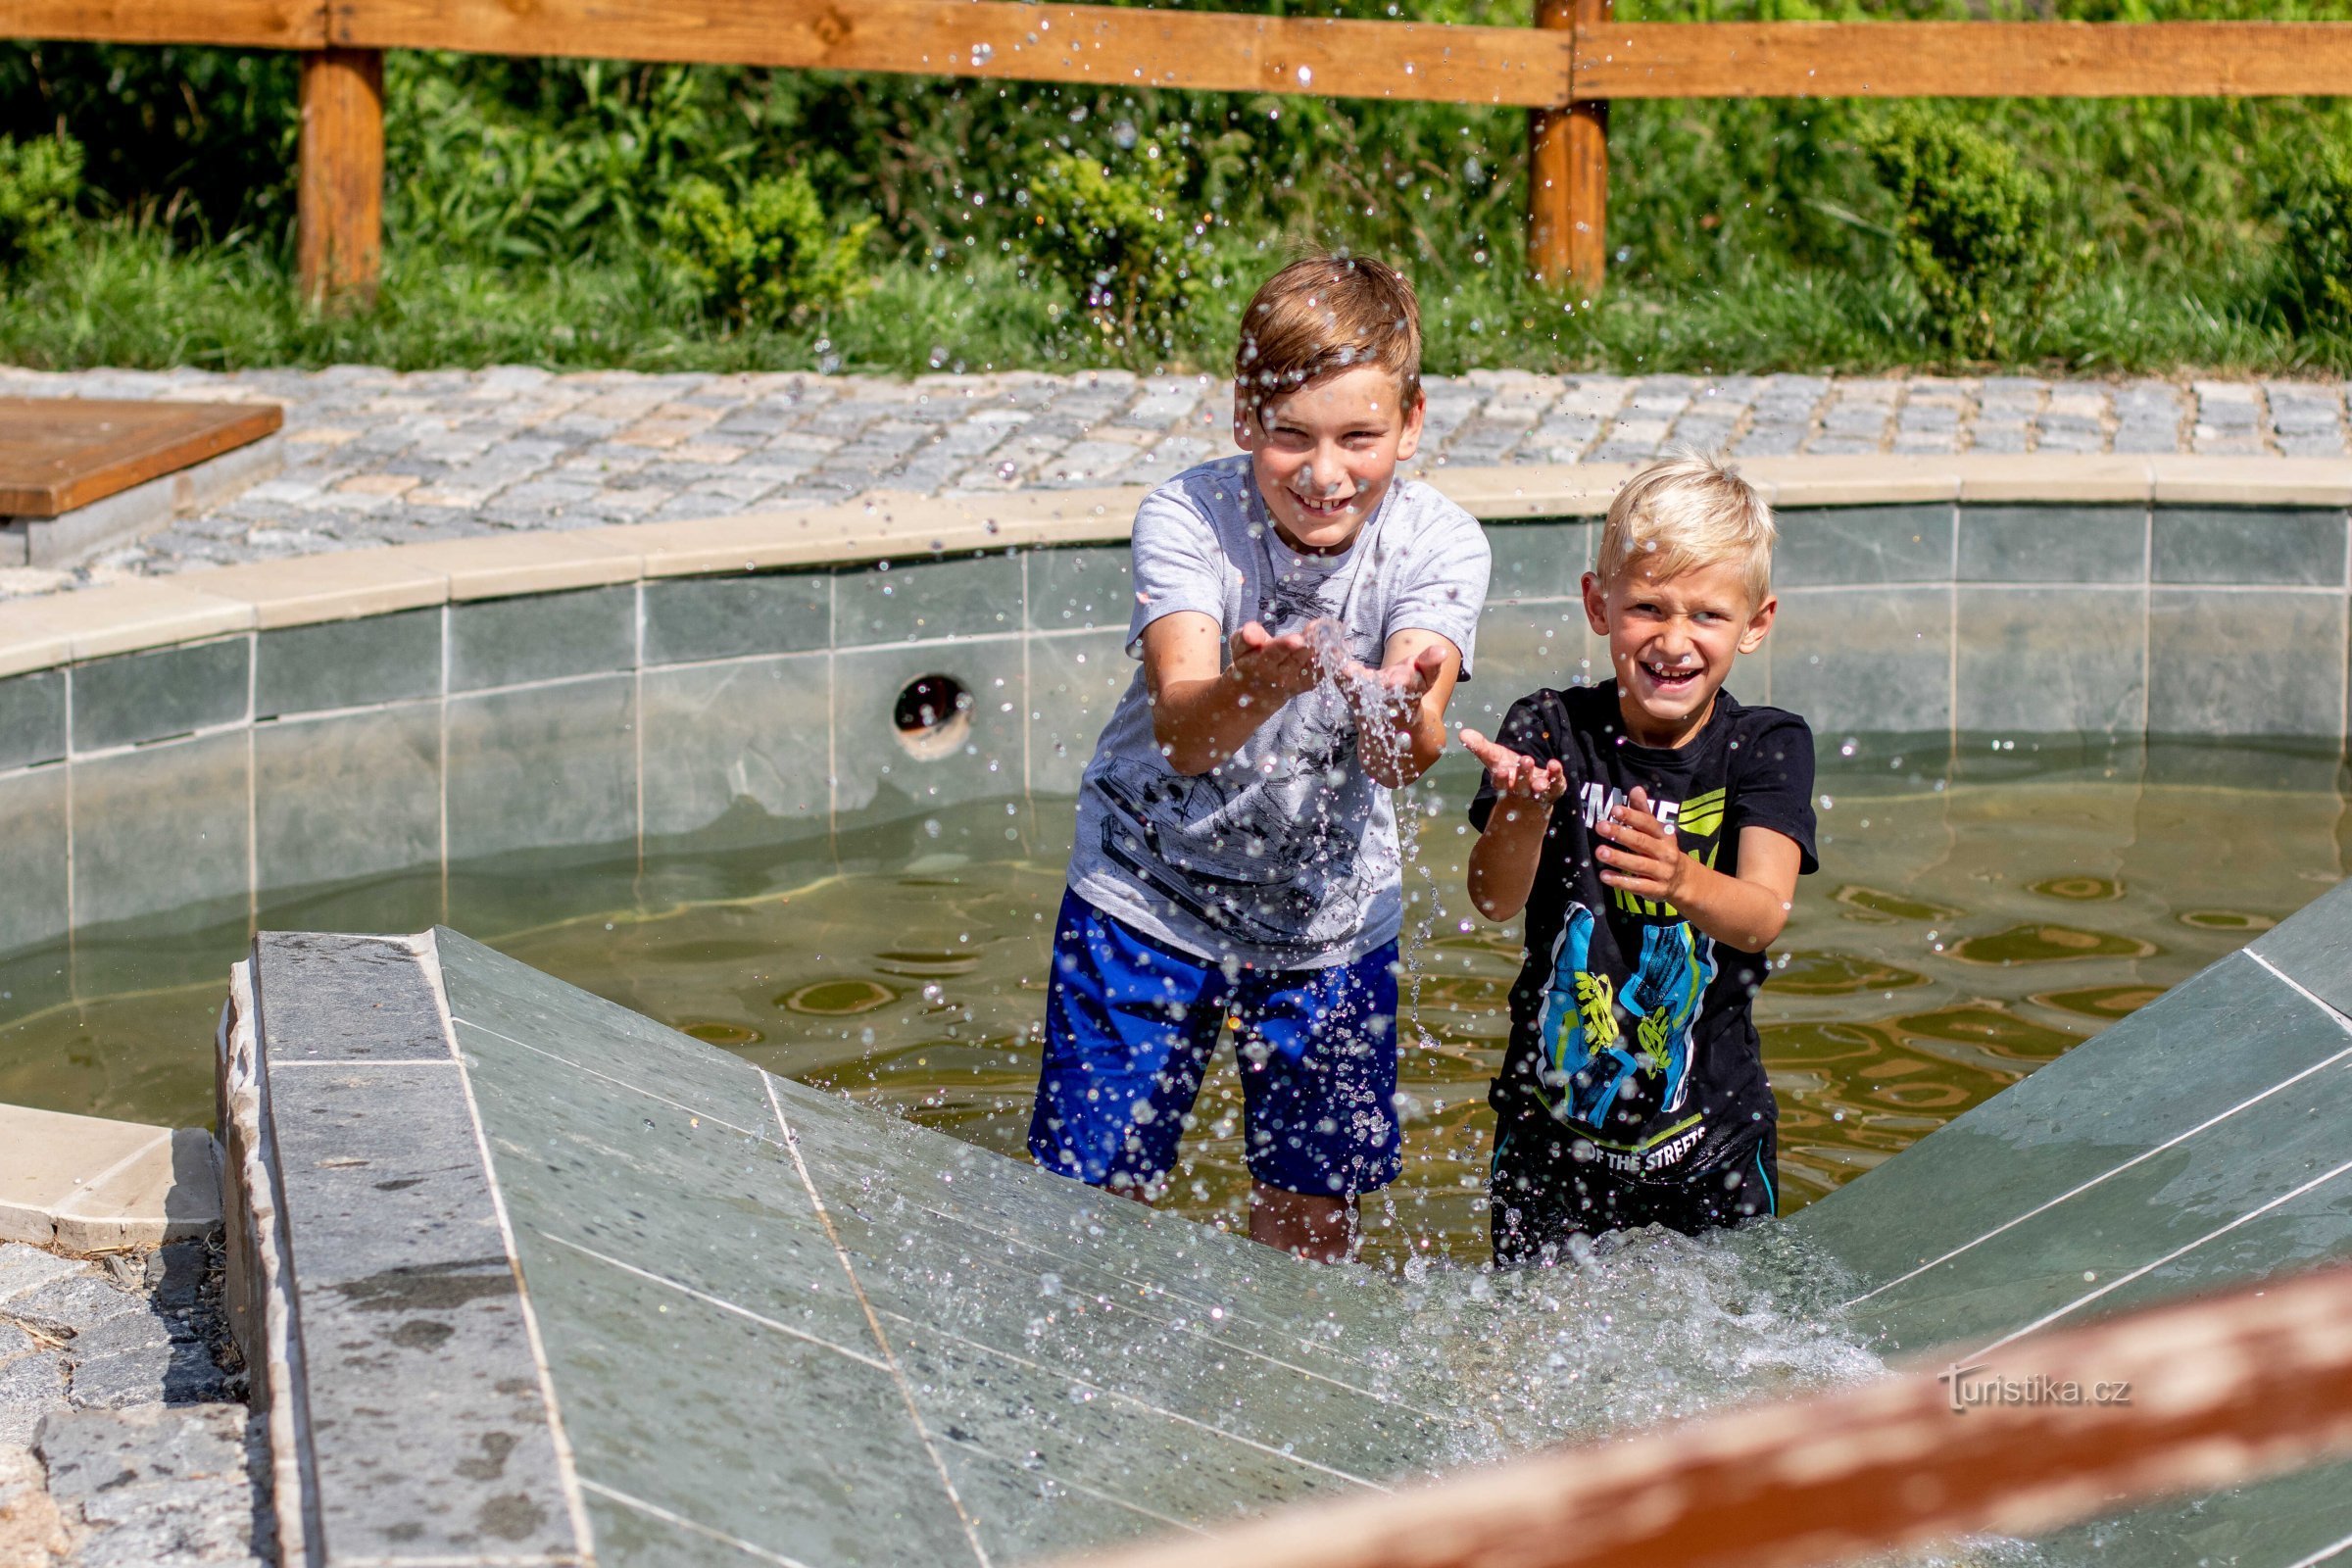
pixel 339 202
pixel 1568 173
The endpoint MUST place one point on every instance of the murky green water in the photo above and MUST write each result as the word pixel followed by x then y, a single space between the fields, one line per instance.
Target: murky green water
pixel 1962 932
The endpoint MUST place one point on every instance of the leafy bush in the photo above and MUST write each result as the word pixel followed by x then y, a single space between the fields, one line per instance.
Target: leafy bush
pixel 1972 226
pixel 2312 200
pixel 39 182
pixel 764 256
pixel 1120 243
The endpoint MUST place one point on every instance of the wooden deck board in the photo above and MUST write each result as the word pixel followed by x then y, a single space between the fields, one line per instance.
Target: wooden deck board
pixel 57 454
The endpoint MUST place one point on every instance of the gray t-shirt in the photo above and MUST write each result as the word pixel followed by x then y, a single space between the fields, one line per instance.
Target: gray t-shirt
pixel 1285 856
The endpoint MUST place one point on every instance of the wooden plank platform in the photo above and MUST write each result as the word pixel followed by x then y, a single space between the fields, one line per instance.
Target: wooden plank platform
pixel 57 454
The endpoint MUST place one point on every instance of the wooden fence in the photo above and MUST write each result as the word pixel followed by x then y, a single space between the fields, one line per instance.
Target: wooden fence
pixel 1564 71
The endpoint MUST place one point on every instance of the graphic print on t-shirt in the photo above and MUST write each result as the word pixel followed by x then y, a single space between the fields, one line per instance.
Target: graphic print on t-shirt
pixel 1624 1057
pixel 1252 853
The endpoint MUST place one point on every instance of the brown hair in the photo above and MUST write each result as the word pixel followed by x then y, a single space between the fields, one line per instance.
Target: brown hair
pixel 1689 509
pixel 1322 315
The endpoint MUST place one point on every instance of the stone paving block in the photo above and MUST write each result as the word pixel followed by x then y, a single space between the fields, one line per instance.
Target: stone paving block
pixel 25 1268
pixel 1702 432
pixel 30 1387
pixel 1771 440
pixel 161 1488
pixel 76 1304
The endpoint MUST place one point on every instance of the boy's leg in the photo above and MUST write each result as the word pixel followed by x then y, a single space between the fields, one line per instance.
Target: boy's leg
pixel 1732 1193
pixel 1542 1194
pixel 1318 1061
pixel 1129 1026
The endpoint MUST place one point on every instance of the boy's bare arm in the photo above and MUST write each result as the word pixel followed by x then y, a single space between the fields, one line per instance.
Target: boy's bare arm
pixel 1203 707
pixel 1503 860
pixel 1747 911
pixel 1401 707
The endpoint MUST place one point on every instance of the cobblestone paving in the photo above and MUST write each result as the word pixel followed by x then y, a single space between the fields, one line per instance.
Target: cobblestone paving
pixel 374 456
pixel 122 1440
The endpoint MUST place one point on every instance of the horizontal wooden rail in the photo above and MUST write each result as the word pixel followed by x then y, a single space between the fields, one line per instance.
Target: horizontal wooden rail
pixel 2213 1393
pixel 1100 46
pixel 1963 60
pixel 232 23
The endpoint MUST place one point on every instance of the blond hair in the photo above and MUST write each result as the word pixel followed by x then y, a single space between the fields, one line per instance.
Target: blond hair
pixel 1683 512
pixel 1322 315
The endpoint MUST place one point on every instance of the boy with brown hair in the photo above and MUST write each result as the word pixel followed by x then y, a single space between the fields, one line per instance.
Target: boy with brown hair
pixel 1632 1091
pixel 1302 615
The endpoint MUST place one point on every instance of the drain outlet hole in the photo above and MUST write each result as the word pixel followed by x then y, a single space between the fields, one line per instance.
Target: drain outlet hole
pixel 933 715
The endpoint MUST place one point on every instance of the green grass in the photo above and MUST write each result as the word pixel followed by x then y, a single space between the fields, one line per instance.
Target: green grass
pixel 129 296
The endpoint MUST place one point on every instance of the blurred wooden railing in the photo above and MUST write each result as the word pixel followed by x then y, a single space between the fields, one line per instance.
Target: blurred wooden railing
pixel 1564 71
pixel 2180 1398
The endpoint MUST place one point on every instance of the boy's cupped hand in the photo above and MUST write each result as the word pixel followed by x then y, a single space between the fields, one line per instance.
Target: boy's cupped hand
pixel 1643 854
pixel 1281 668
pixel 1514 773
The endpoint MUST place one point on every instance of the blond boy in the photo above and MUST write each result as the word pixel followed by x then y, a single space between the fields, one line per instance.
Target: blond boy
pixel 1302 615
pixel 1633 1091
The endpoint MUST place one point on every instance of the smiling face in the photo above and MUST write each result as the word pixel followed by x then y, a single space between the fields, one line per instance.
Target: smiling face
pixel 1672 642
pixel 1325 455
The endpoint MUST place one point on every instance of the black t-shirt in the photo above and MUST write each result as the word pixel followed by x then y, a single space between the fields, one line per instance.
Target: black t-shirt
pixel 1628 1025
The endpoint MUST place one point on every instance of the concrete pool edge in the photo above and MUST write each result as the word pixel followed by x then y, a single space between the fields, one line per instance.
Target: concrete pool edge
pixel 371 1463
pixel 133 615
pixel 85 1185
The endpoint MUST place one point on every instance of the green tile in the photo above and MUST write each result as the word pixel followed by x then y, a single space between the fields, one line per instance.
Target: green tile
pixel 2294 1518
pixel 33 855
pixel 2050 660
pixel 2058 1257
pixel 348 663
pixel 1074 684
pixel 2237 663
pixel 1822 546
pixel 663 1393
pixel 2144 1080
pixel 2053 543
pixel 161 829
pixel 133 698
pixel 512 642
pixel 736 754
pixel 1006 1299
pixel 2314 949
pixel 549 767
pixel 672 1191
pixel 925 599
pixel 2248 545
pixel 353 796
pixel 1024 1514
pixel 1081 588
pixel 877 775
pixel 32 719
pixel 1109 1445
pixel 1857 662
pixel 628 1536
pixel 593 1033
pixel 691 618
pixel 1539 560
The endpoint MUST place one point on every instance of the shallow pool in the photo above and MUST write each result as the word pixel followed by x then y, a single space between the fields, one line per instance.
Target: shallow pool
pixel 1975 915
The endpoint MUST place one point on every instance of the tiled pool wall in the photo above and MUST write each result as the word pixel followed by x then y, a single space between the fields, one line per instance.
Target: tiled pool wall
pixel 722 714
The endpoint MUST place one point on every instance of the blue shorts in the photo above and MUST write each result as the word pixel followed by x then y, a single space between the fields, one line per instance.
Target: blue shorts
pixel 1128 1027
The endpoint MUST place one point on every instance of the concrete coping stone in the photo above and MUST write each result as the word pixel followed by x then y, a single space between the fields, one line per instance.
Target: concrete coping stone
pixel 83 1183
pixel 131 615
